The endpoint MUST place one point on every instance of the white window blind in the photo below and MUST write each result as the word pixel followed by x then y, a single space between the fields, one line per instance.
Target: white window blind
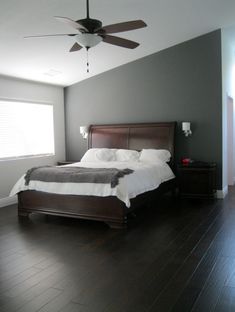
pixel 26 129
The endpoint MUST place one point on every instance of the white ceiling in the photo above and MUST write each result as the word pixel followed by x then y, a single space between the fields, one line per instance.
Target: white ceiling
pixel 48 60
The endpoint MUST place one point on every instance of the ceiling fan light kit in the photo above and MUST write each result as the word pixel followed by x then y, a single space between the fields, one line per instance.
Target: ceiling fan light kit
pixel 87 40
pixel 90 32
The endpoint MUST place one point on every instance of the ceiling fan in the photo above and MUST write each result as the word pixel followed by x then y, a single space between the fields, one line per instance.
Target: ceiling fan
pixel 90 32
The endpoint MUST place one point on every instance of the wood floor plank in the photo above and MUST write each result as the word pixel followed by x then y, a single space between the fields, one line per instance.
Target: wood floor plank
pixel 60 301
pixel 178 255
pixel 226 300
pixel 74 307
pixel 169 296
pixel 169 263
pixel 210 294
pixel 39 301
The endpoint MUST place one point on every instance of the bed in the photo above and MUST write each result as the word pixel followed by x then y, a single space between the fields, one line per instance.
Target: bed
pixel 109 209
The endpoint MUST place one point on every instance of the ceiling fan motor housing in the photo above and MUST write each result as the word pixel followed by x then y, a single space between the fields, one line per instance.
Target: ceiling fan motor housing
pixel 90 24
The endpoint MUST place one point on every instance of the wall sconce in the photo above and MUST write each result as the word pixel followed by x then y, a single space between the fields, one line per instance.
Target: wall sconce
pixel 186 128
pixel 84 130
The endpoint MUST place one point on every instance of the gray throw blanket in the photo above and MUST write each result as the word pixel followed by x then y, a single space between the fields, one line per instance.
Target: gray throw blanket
pixel 76 174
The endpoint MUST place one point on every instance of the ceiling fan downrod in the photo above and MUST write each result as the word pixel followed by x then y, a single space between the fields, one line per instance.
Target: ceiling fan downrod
pixel 87 9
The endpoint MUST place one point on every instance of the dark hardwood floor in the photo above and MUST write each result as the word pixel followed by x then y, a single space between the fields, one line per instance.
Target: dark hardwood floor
pixel 178 255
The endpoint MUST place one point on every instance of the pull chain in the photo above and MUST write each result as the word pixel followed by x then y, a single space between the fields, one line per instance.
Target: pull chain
pixel 87 64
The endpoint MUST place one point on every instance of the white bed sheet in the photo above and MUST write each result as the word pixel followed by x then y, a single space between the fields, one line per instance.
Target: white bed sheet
pixel 146 177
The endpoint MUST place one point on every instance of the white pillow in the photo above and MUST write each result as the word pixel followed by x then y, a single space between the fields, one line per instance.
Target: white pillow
pixel 154 155
pixel 99 154
pixel 127 155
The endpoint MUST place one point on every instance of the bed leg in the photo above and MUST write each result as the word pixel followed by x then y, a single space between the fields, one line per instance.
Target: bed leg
pixel 117 225
pixel 22 213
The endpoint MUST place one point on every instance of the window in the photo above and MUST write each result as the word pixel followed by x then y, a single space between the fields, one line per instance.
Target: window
pixel 26 129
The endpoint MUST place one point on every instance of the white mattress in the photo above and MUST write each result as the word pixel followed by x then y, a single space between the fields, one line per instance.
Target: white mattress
pixel 146 177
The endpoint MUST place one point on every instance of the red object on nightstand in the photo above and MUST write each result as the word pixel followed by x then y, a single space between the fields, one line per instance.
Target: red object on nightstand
pixel 186 161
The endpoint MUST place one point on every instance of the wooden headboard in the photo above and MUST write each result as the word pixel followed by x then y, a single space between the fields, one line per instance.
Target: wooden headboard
pixel 158 135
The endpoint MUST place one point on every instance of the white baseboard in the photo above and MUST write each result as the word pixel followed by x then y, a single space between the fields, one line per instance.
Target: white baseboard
pixel 7 201
pixel 220 194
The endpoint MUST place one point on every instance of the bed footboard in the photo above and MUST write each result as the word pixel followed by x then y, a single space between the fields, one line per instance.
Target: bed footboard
pixel 107 209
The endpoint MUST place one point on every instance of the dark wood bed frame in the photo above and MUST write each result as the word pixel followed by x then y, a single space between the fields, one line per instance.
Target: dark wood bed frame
pixel 107 209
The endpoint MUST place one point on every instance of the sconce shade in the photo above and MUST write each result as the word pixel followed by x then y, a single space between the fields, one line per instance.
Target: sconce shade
pixel 84 131
pixel 185 126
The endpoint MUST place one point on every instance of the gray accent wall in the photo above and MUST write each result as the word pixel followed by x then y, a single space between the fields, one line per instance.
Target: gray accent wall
pixel 181 83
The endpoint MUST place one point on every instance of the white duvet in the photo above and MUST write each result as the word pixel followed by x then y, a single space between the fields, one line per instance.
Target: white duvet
pixel 146 177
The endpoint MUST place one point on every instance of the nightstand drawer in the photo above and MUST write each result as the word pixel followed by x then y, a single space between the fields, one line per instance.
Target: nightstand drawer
pixel 197 182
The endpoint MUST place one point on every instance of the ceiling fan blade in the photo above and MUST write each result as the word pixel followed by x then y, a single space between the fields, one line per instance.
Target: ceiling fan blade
pixel 75 47
pixel 43 36
pixel 121 42
pixel 71 23
pixel 120 27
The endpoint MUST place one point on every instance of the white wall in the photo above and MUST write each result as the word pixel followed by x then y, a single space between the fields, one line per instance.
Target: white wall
pixel 227 89
pixel 11 88
pixel 230 140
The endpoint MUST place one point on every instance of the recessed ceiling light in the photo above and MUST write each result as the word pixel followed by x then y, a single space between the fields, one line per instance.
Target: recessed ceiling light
pixel 53 72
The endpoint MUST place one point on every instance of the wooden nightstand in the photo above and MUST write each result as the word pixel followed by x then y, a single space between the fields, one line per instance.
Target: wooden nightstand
pixel 64 162
pixel 197 180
